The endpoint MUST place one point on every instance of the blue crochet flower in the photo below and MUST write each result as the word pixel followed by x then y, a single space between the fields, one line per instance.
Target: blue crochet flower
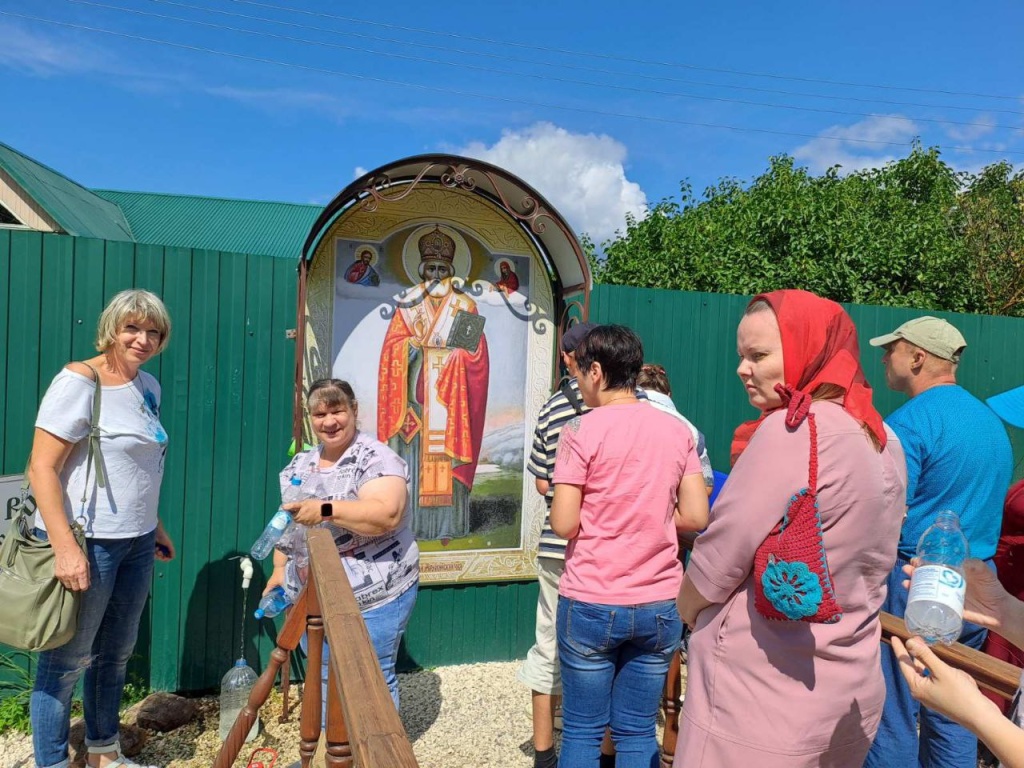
pixel 792 588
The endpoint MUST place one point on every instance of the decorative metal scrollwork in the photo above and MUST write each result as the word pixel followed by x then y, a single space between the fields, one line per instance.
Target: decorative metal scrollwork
pixel 530 312
pixel 529 211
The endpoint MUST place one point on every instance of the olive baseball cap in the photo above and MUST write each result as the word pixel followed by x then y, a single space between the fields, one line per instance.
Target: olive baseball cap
pixel 932 334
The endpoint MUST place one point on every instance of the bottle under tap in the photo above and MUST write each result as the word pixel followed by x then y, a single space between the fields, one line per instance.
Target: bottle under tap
pixel 935 605
pixel 234 693
pixel 279 523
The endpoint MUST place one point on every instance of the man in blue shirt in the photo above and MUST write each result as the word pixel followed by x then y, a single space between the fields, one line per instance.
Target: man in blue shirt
pixel 958 458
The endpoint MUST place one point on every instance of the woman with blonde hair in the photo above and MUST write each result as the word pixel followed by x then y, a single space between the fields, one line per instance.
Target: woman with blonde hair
pixel 113 496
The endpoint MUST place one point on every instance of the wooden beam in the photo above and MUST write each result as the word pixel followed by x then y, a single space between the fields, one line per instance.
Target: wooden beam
pixel 376 732
pixel 990 673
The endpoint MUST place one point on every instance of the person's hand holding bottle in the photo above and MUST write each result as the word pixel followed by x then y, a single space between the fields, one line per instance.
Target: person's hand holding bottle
pixel 953 692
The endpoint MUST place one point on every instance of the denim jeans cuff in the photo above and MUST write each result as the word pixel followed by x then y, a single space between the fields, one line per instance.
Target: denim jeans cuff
pixel 65 763
pixel 102 746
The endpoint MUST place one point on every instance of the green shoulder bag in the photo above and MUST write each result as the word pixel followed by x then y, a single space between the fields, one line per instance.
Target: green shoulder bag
pixel 37 612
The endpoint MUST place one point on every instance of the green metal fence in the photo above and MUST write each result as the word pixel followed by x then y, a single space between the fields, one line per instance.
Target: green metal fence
pixel 694 336
pixel 227 379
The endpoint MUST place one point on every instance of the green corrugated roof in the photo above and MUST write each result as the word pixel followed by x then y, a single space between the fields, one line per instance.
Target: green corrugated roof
pixel 76 209
pixel 241 226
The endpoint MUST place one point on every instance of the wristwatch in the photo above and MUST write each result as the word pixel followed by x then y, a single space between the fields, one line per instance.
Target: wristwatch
pixel 326 510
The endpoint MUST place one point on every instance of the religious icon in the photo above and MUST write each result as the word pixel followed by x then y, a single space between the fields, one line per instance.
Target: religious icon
pixel 508 281
pixel 432 388
pixel 362 272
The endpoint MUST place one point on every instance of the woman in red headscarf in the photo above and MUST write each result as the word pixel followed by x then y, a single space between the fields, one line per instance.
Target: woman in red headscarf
pixel 784 587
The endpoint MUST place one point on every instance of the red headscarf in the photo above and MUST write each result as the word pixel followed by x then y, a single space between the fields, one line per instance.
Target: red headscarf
pixel 819 346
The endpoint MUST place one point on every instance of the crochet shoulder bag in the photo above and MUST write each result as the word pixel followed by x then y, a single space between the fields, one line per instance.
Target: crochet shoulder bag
pixel 791 574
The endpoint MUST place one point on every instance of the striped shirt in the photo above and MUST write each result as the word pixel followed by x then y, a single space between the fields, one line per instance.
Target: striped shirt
pixel 553 415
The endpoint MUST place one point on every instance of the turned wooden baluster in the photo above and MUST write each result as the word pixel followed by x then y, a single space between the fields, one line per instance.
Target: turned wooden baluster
pixel 339 750
pixel 672 703
pixel 286 685
pixel 311 712
pixel 672 696
pixel 287 640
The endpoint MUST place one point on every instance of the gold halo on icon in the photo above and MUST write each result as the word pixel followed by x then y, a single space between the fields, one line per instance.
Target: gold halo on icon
pixel 511 267
pixel 361 249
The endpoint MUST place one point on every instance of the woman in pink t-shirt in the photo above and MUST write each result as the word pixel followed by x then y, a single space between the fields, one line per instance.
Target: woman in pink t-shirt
pixel 627 477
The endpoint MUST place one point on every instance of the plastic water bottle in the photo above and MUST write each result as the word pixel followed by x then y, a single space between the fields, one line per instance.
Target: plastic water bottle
pixel 234 693
pixel 935 606
pixel 272 603
pixel 279 523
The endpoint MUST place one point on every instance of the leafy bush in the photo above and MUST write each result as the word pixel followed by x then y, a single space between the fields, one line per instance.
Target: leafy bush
pixel 914 233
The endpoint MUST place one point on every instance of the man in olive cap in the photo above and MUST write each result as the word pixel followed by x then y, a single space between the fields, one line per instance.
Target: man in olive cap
pixel 958 458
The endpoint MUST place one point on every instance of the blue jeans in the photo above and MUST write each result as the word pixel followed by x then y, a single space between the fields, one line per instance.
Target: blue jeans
pixel 120 572
pixel 614 660
pixel 385 625
pixel 942 742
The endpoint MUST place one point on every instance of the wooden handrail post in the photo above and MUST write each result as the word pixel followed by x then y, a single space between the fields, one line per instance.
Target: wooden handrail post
pixel 339 750
pixel 287 640
pixel 376 734
pixel 672 704
pixel 286 685
pixel 312 706
pixel 363 727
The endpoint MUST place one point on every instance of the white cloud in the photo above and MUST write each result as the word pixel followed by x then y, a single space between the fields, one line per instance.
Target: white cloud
pixel 582 175
pixel 27 50
pixel 849 146
pixel 275 99
pixel 359 171
pixel 980 126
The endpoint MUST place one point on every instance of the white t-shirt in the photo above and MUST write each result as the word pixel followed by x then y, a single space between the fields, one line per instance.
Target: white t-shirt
pixel 379 568
pixel 132 447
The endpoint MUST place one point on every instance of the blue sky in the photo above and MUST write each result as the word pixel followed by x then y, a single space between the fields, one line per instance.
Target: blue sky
pixel 117 112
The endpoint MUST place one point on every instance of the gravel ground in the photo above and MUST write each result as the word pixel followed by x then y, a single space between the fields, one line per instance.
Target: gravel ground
pixel 469 715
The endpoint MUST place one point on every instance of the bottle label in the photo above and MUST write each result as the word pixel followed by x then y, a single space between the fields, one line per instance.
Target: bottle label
pixel 939 584
pixel 280 520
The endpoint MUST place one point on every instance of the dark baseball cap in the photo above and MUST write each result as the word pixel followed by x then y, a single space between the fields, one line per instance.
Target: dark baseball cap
pixel 577 333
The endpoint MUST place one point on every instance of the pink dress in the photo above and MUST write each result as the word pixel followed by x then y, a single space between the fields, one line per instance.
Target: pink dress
pixel 788 694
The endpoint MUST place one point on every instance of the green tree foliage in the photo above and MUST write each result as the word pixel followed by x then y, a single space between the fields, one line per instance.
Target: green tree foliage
pixel 913 233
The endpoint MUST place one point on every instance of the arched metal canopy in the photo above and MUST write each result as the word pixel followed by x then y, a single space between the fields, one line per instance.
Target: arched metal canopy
pixel 523 204
pixel 526 208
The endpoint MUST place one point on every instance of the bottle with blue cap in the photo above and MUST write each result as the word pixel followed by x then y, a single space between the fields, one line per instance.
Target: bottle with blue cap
pixel 272 603
pixel 279 523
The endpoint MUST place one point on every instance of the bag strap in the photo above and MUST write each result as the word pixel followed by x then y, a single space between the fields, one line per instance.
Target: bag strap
pixel 94 459
pixel 572 396
pixel 812 468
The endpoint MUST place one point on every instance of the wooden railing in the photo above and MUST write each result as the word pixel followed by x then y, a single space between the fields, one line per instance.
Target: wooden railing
pixel 363 727
pixel 989 673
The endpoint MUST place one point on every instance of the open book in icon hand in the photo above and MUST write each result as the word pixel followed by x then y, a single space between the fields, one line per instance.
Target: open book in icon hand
pixel 467 330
